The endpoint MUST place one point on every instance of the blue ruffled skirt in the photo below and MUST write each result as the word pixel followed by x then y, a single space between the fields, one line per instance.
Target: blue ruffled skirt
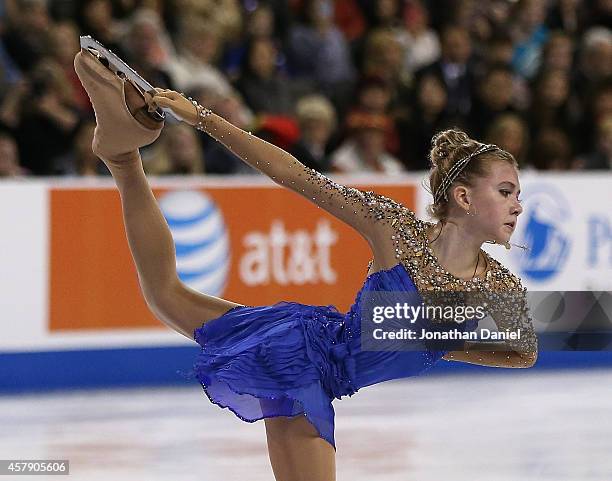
pixel 290 359
pixel 279 360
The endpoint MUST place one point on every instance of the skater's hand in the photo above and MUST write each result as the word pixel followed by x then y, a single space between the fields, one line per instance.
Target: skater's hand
pixel 182 107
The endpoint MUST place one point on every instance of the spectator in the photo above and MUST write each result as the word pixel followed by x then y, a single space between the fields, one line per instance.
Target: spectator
pixel 384 56
pixel 349 18
pixel 260 22
pixel 595 61
pixel 148 48
pixel 530 34
pixel 422 45
pixel 263 90
pixel 602 102
pixel 95 18
pixel 26 39
pixel 550 106
pixel 551 150
pixel 384 14
pixel 385 60
pixel 510 132
pixel 226 14
pixel 198 48
pixel 65 42
pixel 49 116
pixel 601 156
pixel 495 92
pixel 177 153
pixel 318 50
pixel 364 150
pixel 474 18
pixel 12 101
pixel 499 49
pixel 567 15
pixel 558 52
pixel 274 51
pixel 597 106
pixel 317 121
pixel 427 117
pixel 455 72
pixel 374 95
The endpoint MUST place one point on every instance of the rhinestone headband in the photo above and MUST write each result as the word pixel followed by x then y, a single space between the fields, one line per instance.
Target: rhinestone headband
pixel 454 171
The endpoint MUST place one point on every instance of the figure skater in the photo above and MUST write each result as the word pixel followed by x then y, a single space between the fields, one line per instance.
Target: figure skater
pixel 287 362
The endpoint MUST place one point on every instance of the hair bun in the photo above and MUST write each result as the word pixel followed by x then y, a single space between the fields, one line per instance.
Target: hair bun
pixel 444 143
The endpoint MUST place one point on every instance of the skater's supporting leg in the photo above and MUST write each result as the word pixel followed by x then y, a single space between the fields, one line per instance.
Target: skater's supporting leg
pixel 297 453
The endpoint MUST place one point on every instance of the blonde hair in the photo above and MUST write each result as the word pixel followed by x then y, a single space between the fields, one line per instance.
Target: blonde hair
pixel 449 147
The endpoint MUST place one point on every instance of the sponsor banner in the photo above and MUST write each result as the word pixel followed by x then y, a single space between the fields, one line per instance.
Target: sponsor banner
pixel 259 247
pixel 68 279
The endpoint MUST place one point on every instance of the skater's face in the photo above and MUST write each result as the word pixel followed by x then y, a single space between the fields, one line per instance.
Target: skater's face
pixel 494 202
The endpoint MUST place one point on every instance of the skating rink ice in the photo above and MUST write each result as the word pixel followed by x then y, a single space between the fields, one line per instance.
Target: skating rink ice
pixel 515 425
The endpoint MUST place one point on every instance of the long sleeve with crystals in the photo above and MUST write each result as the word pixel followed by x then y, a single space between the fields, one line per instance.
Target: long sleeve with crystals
pixel 364 211
pixel 510 312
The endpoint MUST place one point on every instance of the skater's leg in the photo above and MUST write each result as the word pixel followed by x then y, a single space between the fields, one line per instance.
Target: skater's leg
pixel 278 451
pixel 152 248
pixel 296 451
pixel 117 137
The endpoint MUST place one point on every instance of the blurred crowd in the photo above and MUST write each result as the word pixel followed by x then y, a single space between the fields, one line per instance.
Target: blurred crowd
pixel 346 85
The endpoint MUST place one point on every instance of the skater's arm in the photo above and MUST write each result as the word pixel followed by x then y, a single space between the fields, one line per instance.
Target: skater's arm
pixel 490 355
pixel 510 313
pixel 364 211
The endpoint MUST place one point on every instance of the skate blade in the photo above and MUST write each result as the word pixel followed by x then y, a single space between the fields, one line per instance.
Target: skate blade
pixel 123 71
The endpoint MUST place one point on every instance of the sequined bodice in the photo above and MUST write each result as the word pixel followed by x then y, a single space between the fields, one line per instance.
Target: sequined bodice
pixel 408 235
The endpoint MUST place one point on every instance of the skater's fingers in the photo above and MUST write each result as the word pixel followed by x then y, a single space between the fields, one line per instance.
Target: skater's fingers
pixel 173 95
pixel 169 94
pixel 162 101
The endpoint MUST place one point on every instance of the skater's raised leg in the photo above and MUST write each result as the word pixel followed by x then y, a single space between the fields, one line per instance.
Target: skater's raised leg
pixel 123 126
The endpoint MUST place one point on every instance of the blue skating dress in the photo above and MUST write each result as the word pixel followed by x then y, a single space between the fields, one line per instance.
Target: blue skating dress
pixel 290 359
